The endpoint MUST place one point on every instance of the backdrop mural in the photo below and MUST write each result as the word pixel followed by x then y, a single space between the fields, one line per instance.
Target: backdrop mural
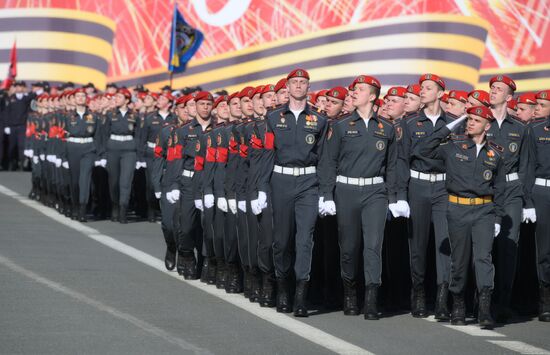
pixel 258 41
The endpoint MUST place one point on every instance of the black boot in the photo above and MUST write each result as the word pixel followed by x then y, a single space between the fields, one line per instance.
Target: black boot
pixel 300 309
pixel 221 272
pixel 371 302
pixel 122 214
pixel 283 304
pixel 544 303
pixel 484 315
pixel 418 302
pixel 75 212
pixel 441 308
pixel 187 265
pixel 204 270
pixel 170 258
pixel 211 272
pixel 246 282
pixel 151 214
pixel 114 212
pixel 82 214
pixel 268 290
pixel 255 284
pixel 458 315
pixel 233 282
pixel 350 299
pixel 67 208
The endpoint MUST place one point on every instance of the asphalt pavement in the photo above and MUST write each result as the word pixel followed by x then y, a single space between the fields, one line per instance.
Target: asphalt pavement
pixel 101 288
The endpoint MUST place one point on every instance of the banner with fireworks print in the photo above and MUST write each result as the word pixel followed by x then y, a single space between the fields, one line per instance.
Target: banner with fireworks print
pixel 184 43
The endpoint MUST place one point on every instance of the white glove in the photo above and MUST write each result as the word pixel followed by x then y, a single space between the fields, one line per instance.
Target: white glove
pixel 138 165
pixel 262 200
pixel 158 195
pixel 322 211
pixel 242 206
pixel 198 205
pixel 232 204
pixel 222 204
pixel 456 122
pixel 26 153
pixel 143 164
pixel 394 210
pixel 31 153
pixel 7 131
pixel 50 158
pixel 255 207
pixel 35 159
pixel 65 164
pixel 176 195
pixel 403 208
pixel 103 162
pixel 169 197
pixel 42 157
pixel 529 215
pixel 330 208
pixel 497 229
pixel 209 201
pixel 58 162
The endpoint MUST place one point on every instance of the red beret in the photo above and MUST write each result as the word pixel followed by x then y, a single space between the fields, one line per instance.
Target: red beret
pixel 76 91
pixel 220 99
pixel 154 95
pixel 233 95
pixel 298 73
pixel 503 79
pixel 311 97
pixel 365 79
pixel 322 93
pixel 434 78
pixel 445 98
pixel 43 97
pixel 414 89
pixel 459 95
pixel 481 111
pixel 512 104
pixel 481 96
pixel 338 92
pixel 247 92
pixel 268 88
pixel 182 100
pixel 258 90
pixel 167 95
pixel 397 91
pixel 141 95
pixel 543 95
pixel 127 94
pixel 529 98
pixel 280 84
pixel 379 102
pixel 204 95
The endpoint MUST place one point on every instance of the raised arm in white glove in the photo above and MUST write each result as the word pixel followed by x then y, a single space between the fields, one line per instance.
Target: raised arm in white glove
pixel 456 122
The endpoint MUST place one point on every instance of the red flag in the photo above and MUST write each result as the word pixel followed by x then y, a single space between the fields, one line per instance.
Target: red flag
pixel 12 71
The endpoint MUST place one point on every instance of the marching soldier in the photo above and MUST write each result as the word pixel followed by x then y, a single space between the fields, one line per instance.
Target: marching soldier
pixel 295 134
pixel 509 133
pixel 424 179
pixel 361 173
pixel 83 130
pixel 476 185
pixel 539 189
pixel 119 131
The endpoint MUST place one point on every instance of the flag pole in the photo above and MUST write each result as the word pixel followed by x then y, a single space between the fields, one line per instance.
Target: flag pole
pixel 171 76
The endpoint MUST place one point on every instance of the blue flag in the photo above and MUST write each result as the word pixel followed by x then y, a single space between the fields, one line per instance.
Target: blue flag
pixel 184 43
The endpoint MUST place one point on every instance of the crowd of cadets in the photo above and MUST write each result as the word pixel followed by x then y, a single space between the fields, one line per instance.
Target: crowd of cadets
pixel 242 180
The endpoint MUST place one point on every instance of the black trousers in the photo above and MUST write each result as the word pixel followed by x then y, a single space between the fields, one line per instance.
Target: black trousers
pixel 541 197
pixel 188 229
pixel 168 218
pixel 16 143
pixel 230 238
pixel 81 162
pixel 121 165
pixel 471 232
pixel 295 206
pixel 428 203
pixel 361 214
